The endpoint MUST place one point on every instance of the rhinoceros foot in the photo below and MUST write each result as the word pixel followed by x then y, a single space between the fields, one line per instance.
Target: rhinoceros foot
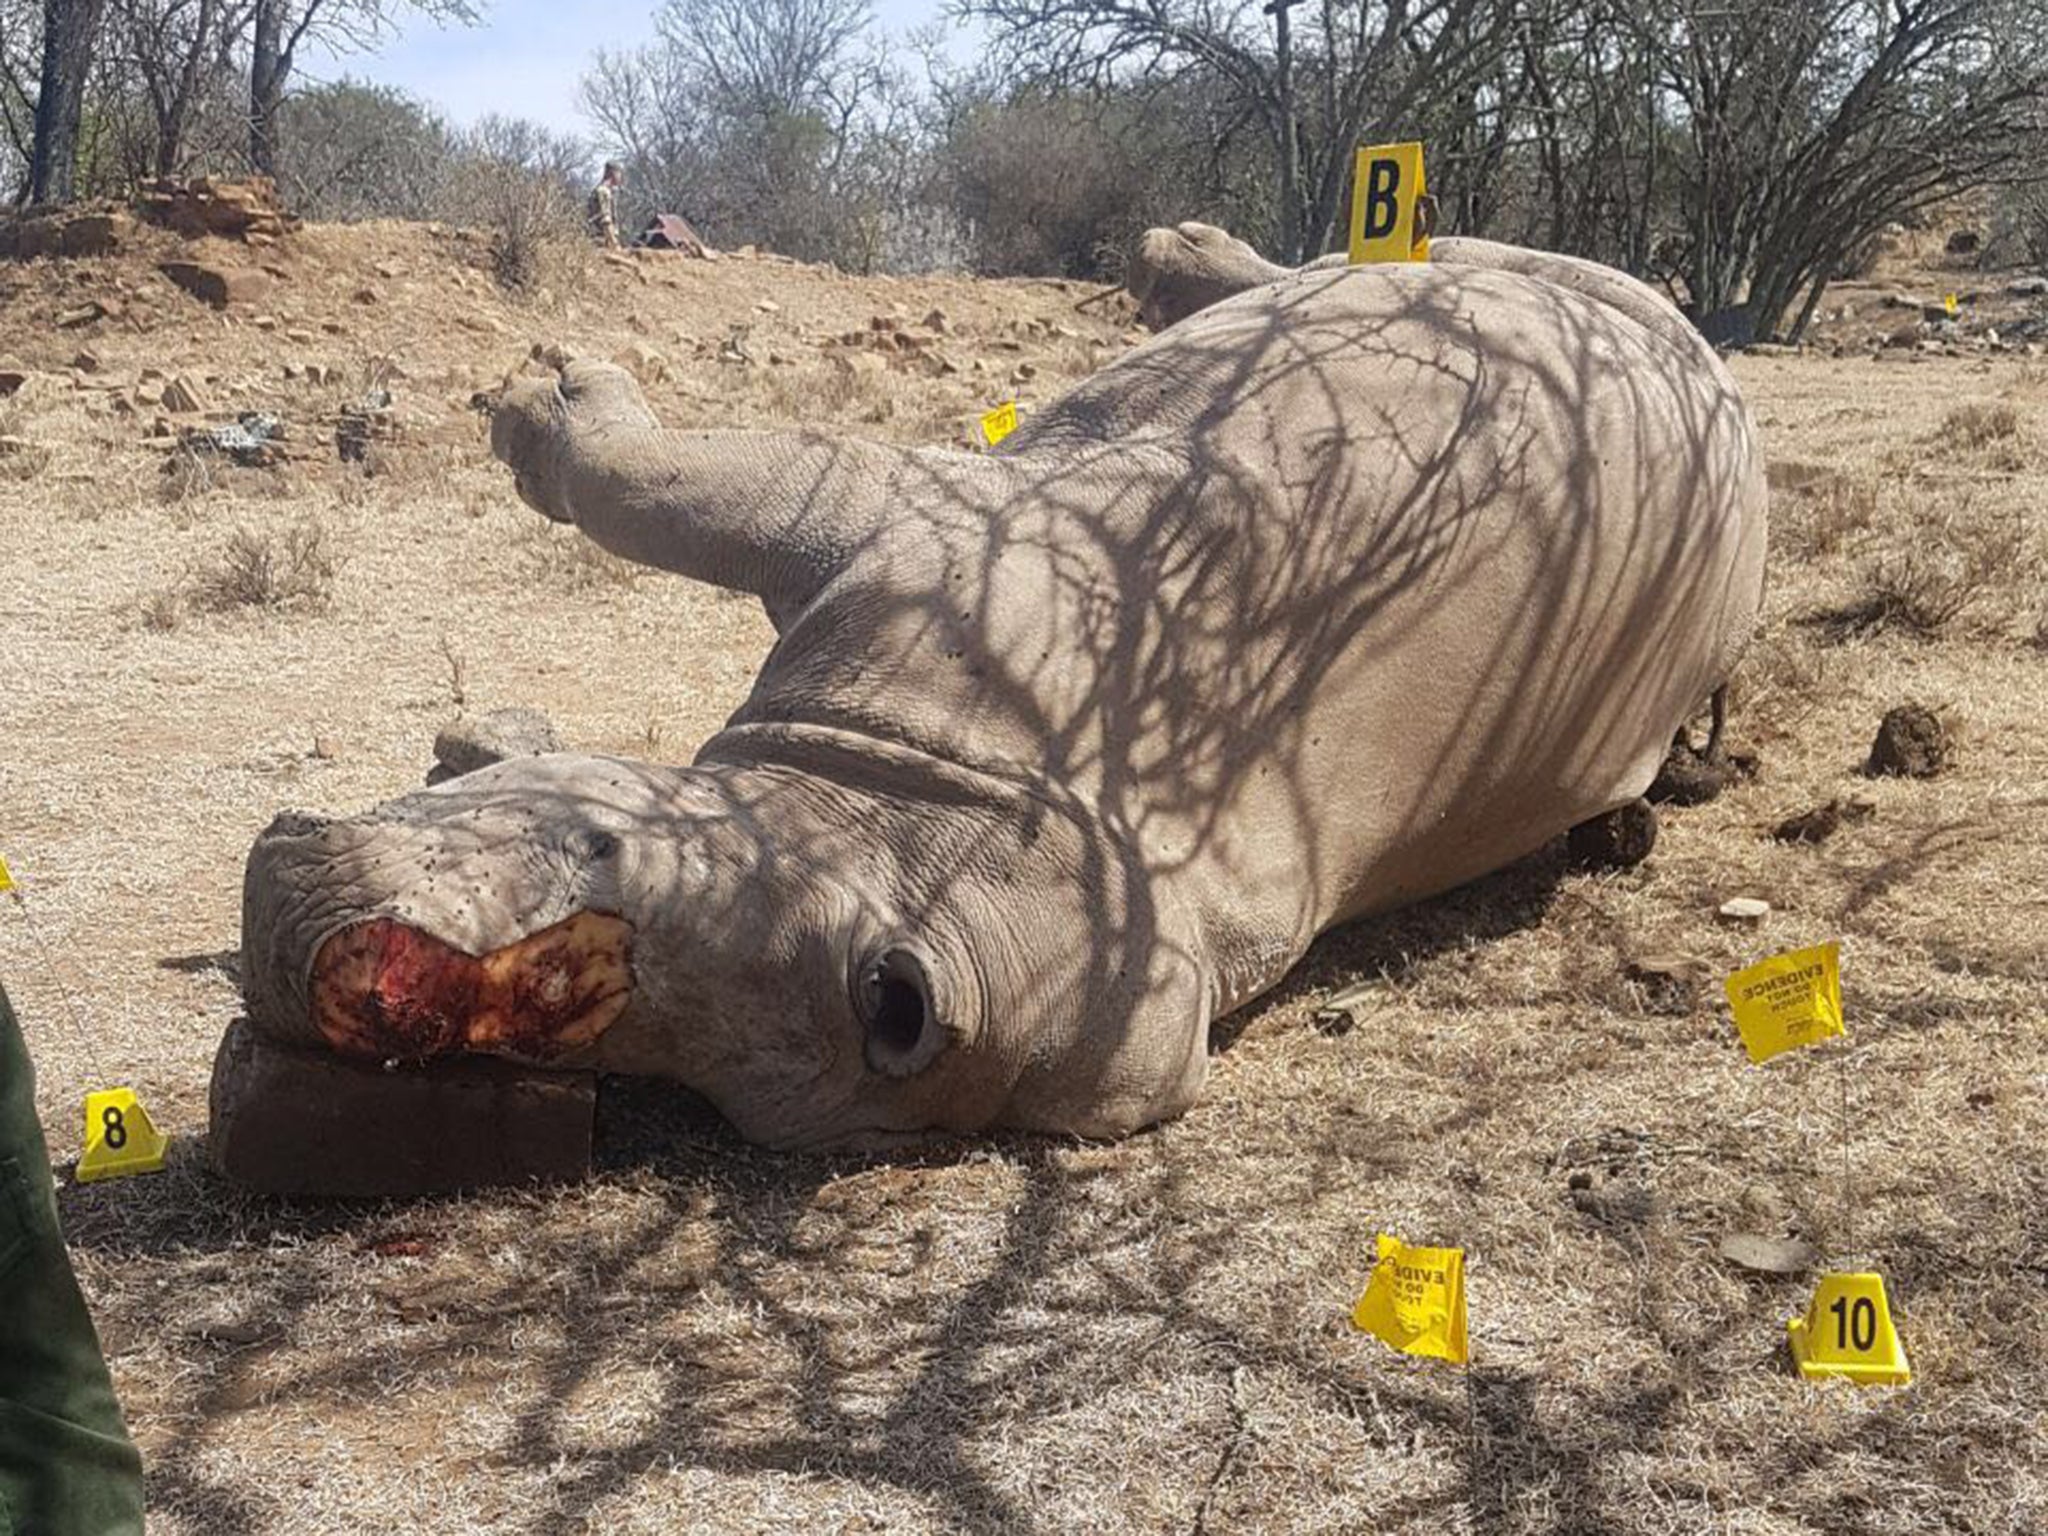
pixel 384 990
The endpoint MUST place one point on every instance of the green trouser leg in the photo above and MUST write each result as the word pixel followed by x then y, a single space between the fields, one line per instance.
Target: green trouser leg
pixel 67 1466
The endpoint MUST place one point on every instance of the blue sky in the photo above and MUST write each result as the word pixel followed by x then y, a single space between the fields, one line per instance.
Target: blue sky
pixel 525 57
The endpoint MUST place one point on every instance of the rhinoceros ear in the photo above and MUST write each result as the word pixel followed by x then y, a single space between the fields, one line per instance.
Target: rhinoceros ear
pixel 899 1014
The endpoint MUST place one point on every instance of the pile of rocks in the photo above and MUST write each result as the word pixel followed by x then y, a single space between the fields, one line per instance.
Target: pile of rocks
pixel 248 211
pixel 897 345
pixel 87 230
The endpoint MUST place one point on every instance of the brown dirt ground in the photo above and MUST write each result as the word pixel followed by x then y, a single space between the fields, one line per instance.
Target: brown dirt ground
pixel 1029 1335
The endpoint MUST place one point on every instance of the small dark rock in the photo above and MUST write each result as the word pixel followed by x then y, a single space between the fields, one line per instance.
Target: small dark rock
pixel 1668 984
pixel 1822 822
pixel 1620 839
pixel 472 742
pixel 1910 744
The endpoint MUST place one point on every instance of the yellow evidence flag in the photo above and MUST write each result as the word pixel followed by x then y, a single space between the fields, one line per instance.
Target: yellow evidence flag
pixel 1386 190
pixel 1415 1300
pixel 1788 1001
pixel 6 879
pixel 999 423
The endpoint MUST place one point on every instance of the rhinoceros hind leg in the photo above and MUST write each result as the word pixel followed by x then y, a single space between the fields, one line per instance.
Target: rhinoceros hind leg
pixel 1694 775
pixel 1618 840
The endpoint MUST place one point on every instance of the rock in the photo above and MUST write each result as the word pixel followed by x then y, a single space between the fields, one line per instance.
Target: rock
pixel 768 306
pixel 1669 984
pixel 14 447
pixel 1619 840
pixel 472 742
pixel 95 234
pixel 1767 1255
pixel 1823 821
pixel 2028 287
pixel 183 396
pixel 936 321
pixel 1340 1011
pixel 326 749
pixel 83 314
pixel 1964 242
pixel 290 1119
pixel 233 210
pixel 12 382
pixel 1910 743
pixel 219 285
pixel 366 295
pixel 1745 910
pixel 86 362
pixel 1023 373
pixel 644 363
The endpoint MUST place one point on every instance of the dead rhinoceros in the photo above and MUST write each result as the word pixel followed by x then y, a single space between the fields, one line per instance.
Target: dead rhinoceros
pixel 1342 592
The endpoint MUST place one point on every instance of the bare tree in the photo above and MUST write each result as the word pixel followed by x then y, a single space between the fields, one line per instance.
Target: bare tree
pixel 21 51
pixel 1318 79
pixel 70 31
pixel 279 28
pixel 777 121
pixel 1812 124
pixel 356 151
pixel 169 49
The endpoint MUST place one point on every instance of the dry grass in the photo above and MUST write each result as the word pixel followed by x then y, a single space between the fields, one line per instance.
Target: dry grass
pixel 1956 564
pixel 290 568
pixel 1035 1336
pixel 1976 424
pixel 563 560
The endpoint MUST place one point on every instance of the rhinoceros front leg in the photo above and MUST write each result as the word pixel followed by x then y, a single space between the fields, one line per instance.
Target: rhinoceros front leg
pixel 775 514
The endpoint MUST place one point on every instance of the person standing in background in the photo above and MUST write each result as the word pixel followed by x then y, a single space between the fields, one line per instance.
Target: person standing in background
pixel 604 205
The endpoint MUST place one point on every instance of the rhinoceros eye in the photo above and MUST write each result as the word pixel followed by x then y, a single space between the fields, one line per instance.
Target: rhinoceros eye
pixel 593 844
pixel 893 996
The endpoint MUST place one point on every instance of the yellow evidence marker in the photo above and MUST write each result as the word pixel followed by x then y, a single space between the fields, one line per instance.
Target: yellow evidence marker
pixel 1415 1300
pixel 1949 303
pixel 1788 1001
pixel 1386 190
pixel 119 1138
pixel 999 423
pixel 6 879
pixel 1847 1332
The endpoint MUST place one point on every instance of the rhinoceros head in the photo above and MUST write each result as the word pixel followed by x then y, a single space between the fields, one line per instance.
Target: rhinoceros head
pixel 828 965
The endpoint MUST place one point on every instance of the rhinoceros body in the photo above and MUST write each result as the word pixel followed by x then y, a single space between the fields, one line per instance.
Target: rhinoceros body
pixel 1343 591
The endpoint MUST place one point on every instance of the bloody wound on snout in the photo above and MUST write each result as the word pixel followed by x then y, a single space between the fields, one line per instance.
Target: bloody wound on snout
pixel 386 990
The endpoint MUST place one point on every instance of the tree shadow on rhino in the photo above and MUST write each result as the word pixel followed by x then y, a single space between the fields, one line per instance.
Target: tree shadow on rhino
pixel 1337 595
